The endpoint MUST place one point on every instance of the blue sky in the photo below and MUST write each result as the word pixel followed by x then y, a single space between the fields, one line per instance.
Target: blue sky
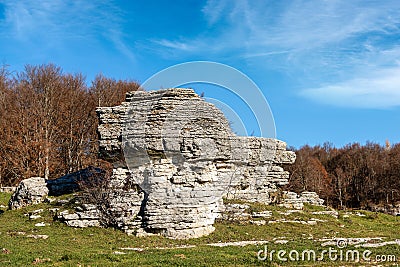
pixel 330 70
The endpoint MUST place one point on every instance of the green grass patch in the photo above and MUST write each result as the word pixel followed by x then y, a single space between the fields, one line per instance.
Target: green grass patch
pixel 4 198
pixel 66 246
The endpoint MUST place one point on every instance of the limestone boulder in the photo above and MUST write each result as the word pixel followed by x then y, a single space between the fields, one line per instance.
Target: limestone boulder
pixel 34 190
pixel 30 191
pixel 292 200
pixel 311 198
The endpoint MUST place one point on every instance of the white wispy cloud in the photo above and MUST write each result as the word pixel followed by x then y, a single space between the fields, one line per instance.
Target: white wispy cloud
pixel 214 10
pixel 55 22
pixel 302 24
pixel 184 46
pixel 377 89
pixel 347 49
pixel 265 54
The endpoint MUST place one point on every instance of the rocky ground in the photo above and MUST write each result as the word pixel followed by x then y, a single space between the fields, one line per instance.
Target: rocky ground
pixel 34 235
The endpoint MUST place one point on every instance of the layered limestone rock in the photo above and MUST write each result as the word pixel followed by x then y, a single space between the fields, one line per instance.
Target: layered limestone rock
pixel 35 190
pixel 29 191
pixel 175 158
pixel 311 198
pixel 182 154
pixel 292 200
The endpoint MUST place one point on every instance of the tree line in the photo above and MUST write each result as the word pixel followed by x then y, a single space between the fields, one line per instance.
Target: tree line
pixel 354 176
pixel 48 128
pixel 48 122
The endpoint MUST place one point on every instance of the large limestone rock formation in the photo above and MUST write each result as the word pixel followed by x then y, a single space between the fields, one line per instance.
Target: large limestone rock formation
pixel 175 159
pixel 181 153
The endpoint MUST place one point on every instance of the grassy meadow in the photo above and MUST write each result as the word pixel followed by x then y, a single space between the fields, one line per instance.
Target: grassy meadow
pixel 24 244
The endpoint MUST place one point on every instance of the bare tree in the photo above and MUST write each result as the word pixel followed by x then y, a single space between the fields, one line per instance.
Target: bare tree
pixel 48 121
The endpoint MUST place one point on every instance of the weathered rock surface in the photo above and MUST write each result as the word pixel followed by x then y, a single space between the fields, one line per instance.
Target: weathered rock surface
pixel 29 191
pixel 86 216
pixel 35 190
pixel 181 152
pixel 292 200
pixel 311 198
pixel 8 189
pixel 389 209
pixel 240 213
pixel 235 212
pixel 332 213
pixel 175 158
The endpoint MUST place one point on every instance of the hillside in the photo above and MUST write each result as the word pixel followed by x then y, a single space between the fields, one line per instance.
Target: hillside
pixel 25 242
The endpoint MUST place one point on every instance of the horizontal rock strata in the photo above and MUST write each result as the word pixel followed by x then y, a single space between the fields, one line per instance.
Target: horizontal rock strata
pixel 174 159
pixel 182 153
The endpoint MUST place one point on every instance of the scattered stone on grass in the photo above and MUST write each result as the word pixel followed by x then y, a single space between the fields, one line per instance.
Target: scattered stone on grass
pixel 29 191
pixel 39 260
pixel 288 212
pixel 181 256
pixel 348 241
pixel 38 236
pixel 332 213
pixel 119 253
pixel 5 251
pixel 310 222
pixel 13 233
pixel 239 243
pixel 34 217
pixel 259 222
pixel 262 214
pixel 281 241
pixel 375 245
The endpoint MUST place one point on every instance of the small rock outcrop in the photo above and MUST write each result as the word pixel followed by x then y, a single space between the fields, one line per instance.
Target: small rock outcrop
pixel 34 190
pixel 29 191
pixel 292 200
pixel 8 189
pixel 86 215
pixel 393 209
pixel 311 198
